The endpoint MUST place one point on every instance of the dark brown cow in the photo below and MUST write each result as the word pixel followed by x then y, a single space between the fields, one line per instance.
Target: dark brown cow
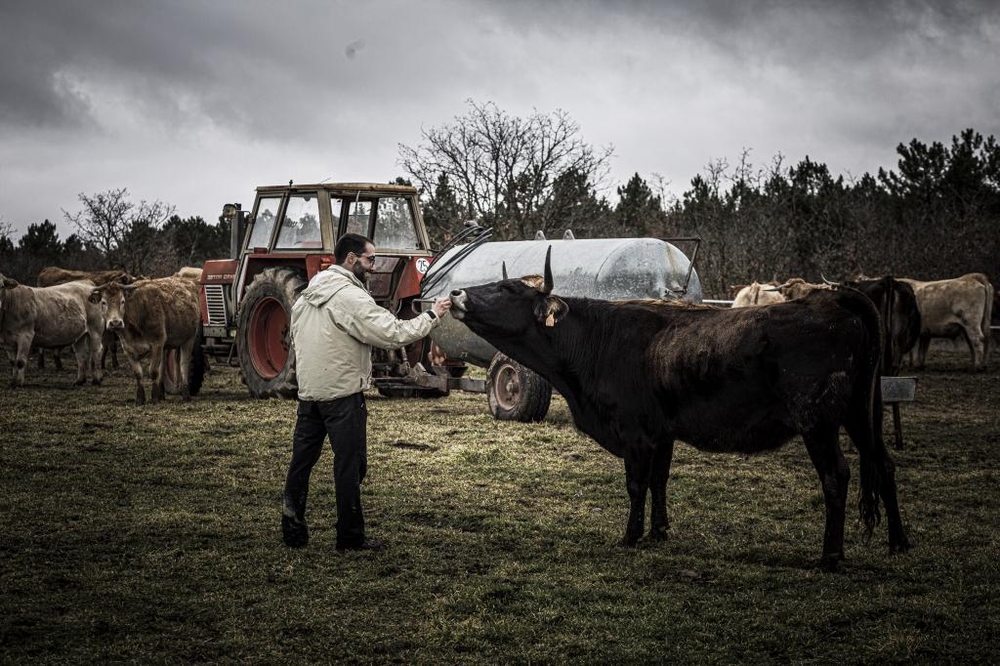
pixel 48 318
pixel 53 275
pixel 151 316
pixel 897 305
pixel 639 374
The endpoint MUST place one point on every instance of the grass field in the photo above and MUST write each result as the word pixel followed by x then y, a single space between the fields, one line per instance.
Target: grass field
pixel 151 535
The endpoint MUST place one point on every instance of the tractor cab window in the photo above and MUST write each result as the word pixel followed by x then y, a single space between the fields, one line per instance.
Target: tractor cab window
pixel 359 215
pixel 300 226
pixel 394 225
pixel 263 222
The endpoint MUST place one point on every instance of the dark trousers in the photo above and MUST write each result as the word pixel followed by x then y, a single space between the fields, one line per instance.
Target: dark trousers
pixel 345 420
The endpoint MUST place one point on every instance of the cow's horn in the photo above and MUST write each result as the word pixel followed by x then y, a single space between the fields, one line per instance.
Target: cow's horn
pixel 784 285
pixel 547 287
pixel 829 282
pixel 503 267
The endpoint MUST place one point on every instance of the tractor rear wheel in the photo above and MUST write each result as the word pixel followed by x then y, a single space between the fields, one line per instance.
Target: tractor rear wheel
pixel 263 338
pixel 516 393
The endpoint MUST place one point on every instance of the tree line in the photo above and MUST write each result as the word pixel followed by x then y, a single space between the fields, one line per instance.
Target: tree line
pixel 935 215
pixel 113 232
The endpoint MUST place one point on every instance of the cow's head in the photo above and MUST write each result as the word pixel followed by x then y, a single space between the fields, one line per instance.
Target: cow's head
pixel 5 284
pixel 510 307
pixel 112 297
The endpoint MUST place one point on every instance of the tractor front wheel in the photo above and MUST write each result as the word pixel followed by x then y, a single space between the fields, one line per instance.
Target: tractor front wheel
pixel 264 340
pixel 516 393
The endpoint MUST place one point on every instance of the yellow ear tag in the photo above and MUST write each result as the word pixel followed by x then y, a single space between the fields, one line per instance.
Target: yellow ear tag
pixel 550 321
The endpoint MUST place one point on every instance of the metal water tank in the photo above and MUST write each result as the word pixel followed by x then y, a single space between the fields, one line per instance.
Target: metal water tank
pixel 605 268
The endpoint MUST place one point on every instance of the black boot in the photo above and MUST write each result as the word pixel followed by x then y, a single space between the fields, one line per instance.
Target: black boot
pixel 294 529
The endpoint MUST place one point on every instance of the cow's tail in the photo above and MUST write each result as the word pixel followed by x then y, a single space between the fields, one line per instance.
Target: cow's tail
pixel 988 321
pixel 866 404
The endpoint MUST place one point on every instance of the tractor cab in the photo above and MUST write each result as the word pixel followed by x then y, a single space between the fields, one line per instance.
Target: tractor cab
pixel 283 241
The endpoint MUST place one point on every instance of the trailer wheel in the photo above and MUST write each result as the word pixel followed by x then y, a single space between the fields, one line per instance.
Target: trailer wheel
pixel 196 370
pixel 516 393
pixel 263 338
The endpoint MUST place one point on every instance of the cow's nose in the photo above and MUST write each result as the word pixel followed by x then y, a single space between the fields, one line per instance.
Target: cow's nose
pixel 114 324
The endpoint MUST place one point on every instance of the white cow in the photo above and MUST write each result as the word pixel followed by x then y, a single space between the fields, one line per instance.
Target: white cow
pixel 756 293
pixel 949 308
pixel 49 318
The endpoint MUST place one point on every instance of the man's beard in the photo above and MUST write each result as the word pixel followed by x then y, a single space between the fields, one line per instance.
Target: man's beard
pixel 360 272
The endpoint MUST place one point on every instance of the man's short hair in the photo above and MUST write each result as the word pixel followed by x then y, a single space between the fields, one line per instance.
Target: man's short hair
pixel 350 243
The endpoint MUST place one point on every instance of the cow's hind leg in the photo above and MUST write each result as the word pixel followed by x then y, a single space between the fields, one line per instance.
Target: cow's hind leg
pixel 925 341
pixel 874 453
pixel 156 371
pixel 834 475
pixel 659 521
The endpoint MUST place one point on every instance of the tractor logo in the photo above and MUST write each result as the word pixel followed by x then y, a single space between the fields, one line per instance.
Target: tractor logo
pixel 422 265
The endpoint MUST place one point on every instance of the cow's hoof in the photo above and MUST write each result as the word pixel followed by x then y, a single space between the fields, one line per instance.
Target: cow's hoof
pixel 828 563
pixel 658 534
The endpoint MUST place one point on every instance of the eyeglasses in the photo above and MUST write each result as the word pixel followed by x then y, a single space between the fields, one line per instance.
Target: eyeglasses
pixel 369 257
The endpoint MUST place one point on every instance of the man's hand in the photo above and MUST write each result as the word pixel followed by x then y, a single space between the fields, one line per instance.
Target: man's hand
pixel 441 306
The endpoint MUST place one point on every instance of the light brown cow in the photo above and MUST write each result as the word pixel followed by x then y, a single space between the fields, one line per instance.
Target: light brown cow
pixel 149 317
pixel 189 272
pixel 950 308
pixel 48 318
pixel 796 287
pixel 53 275
pixel 756 293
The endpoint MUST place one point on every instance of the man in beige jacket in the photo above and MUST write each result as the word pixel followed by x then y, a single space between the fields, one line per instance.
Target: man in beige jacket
pixel 335 323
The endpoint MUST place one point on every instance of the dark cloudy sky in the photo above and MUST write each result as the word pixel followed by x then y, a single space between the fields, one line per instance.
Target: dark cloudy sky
pixel 195 102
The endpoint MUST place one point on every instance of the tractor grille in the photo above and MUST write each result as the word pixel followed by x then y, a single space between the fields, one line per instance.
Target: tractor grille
pixel 215 297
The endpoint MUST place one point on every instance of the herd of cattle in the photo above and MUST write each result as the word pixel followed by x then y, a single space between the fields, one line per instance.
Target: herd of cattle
pixel 87 310
pixel 912 312
pixel 802 359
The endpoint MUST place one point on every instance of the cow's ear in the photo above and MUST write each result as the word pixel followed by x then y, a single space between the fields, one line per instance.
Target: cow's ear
pixel 8 283
pixel 551 310
pixel 95 296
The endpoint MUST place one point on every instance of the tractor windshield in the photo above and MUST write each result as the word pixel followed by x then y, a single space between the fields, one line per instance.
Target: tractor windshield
pixel 394 225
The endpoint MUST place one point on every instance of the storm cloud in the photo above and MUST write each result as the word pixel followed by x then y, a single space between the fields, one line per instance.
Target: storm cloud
pixel 195 103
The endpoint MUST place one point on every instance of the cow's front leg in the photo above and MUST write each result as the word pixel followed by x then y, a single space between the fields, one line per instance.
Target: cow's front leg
pixel 12 358
pixel 82 350
pixel 140 393
pixel 96 353
pixel 659 522
pixel 20 360
pixel 156 371
pixel 637 467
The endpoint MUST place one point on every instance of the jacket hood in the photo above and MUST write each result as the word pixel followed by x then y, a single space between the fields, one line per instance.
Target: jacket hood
pixel 326 284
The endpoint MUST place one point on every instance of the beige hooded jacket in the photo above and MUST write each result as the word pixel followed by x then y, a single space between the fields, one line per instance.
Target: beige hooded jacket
pixel 335 323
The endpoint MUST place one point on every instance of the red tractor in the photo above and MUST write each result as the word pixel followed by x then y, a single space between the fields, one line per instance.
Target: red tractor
pixel 279 245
